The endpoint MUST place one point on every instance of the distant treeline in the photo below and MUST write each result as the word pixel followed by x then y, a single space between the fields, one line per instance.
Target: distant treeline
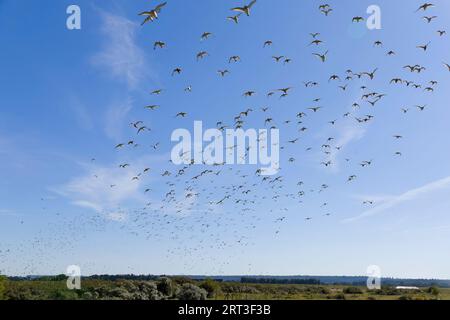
pixel 104 277
pixel 324 280
pixel 279 281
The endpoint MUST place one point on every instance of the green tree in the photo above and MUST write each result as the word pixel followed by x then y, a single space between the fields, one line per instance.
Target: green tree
pixel 211 286
pixel 2 287
pixel 166 287
pixel 191 292
pixel 353 290
pixel 434 291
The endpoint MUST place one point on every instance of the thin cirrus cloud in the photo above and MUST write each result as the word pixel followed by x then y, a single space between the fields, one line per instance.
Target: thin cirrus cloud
pixel 120 55
pixel 115 114
pixel 405 197
pixel 104 190
pixel 123 59
pixel 346 132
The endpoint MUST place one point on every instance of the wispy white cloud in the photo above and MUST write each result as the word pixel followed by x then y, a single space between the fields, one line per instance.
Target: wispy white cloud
pixel 405 197
pixel 82 114
pixel 376 198
pixel 121 56
pixel 346 132
pixel 7 212
pixel 115 119
pixel 123 59
pixel 105 190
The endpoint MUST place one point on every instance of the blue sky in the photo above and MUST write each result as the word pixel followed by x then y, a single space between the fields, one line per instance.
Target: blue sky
pixel 69 96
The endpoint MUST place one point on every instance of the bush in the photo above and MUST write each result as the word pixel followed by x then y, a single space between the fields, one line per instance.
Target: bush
pixel 317 290
pixel 128 290
pixel 2 287
pixel 63 295
pixel 387 291
pixel 211 287
pixel 339 296
pixel 433 290
pixel 182 280
pixel 166 287
pixel 353 290
pixel 191 292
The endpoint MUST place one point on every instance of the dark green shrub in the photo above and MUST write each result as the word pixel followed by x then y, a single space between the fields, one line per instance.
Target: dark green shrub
pixel 211 287
pixel 433 290
pixel 2 287
pixel 166 287
pixel 353 290
pixel 189 291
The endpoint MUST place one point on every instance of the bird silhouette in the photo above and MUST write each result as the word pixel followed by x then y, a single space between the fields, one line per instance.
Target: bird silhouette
pixel 152 14
pixel 245 9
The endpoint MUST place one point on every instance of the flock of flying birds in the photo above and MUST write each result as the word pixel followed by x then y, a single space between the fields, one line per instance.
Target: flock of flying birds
pixel 192 206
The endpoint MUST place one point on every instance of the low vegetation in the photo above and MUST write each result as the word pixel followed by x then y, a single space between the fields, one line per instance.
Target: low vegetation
pixel 179 288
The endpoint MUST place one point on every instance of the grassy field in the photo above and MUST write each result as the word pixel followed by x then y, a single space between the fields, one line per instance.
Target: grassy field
pixel 187 289
pixel 329 292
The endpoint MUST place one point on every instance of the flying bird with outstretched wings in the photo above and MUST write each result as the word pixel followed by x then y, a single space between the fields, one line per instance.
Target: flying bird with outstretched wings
pixel 152 14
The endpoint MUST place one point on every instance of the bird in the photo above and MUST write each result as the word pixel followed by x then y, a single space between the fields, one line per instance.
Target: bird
pixel 141 129
pixel 201 55
pixel 424 47
pixel 234 59
pixel 285 90
pixel 357 19
pixel 235 18
pixel 316 42
pixel 176 71
pixel 371 74
pixel 425 6
pixel 152 14
pixel 245 9
pixel 429 19
pixel 205 35
pixel 396 80
pixel 223 72
pixel 159 44
pixel 447 65
pixel 277 58
pixel 378 43
pixel 334 77
pixel 421 108
pixel 326 12
pixel 157 92
pixel 314 109
pixel 322 57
